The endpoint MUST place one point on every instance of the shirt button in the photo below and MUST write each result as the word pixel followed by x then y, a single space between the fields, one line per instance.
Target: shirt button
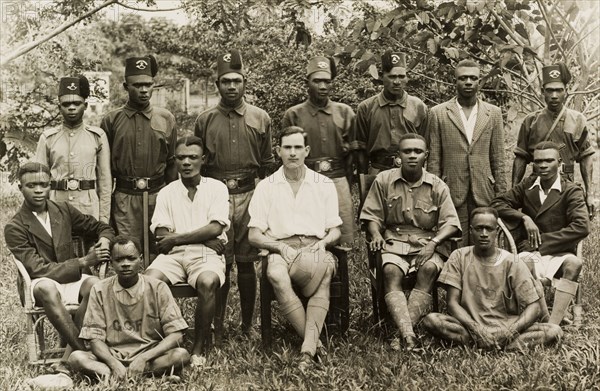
pixel 233 141
pixel 72 154
pixel 410 190
pixel 390 205
pixel 71 198
pixel 71 176
pixel 71 134
pixel 407 208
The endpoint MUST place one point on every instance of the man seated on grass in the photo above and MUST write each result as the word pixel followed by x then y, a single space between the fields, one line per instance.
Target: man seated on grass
pixel 133 323
pixel 492 300
pixel 409 214
pixel 550 215
pixel 39 235
pixel 189 222
pixel 294 215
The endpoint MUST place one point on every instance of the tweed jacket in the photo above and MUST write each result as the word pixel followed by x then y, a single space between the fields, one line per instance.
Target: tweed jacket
pixel 51 256
pixel 562 220
pixel 478 166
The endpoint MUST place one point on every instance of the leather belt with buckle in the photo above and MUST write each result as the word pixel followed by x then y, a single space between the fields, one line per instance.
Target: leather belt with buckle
pixel 238 185
pixel 140 183
pixel 386 161
pixel 73 184
pixel 325 165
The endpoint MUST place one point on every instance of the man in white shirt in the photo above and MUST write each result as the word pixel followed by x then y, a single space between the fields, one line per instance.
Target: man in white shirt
pixel 549 216
pixel 189 222
pixel 294 215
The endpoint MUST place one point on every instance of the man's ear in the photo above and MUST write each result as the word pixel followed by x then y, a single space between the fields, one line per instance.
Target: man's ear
pixel 85 104
pixel 278 150
pixel 20 186
pixel 307 148
pixel 125 86
pixel 426 154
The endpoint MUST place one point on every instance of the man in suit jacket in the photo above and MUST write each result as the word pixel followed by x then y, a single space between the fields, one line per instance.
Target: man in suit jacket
pixel 466 143
pixel 39 235
pixel 551 217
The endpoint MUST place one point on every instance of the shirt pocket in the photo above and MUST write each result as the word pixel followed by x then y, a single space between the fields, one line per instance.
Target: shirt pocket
pixel 490 298
pixel 426 214
pixel 255 124
pixel 394 206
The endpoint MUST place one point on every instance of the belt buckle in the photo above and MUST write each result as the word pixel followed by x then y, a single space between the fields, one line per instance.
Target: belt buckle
pixel 72 184
pixel 141 183
pixel 397 161
pixel 232 184
pixel 323 166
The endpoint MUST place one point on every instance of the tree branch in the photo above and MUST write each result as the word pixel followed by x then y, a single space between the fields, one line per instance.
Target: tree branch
pixel 148 10
pixel 549 27
pixel 507 28
pixel 32 45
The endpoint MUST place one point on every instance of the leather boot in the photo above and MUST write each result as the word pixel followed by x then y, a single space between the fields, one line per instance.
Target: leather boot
pixel 565 291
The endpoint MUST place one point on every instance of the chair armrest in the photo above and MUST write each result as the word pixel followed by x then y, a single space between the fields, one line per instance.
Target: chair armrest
pixel 26 295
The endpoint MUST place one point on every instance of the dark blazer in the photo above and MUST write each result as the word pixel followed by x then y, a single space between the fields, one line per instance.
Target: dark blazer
pixel 52 257
pixel 478 166
pixel 562 220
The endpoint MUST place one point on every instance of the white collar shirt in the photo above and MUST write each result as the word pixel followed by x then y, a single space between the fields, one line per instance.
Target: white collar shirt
pixel 176 212
pixel 555 186
pixel 279 214
pixel 468 123
pixel 45 222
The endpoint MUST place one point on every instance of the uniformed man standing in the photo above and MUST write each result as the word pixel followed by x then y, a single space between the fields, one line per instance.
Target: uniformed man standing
pixel 329 128
pixel 383 118
pixel 142 142
pixel 238 149
pixel 77 154
pixel 558 124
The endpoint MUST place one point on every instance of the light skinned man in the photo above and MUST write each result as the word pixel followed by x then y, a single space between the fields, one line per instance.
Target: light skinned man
pixel 409 215
pixel 492 300
pixel 133 324
pixel 189 222
pixel 39 235
pixel 294 215
pixel 466 142
pixel 548 215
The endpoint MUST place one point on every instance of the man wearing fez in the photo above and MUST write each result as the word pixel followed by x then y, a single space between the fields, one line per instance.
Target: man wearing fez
pixel 561 125
pixel 466 142
pixel 238 149
pixel 39 235
pixel 383 118
pixel 77 153
pixel 409 214
pixel 142 145
pixel 329 128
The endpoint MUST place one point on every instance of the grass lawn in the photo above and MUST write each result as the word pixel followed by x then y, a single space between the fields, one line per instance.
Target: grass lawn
pixel 364 361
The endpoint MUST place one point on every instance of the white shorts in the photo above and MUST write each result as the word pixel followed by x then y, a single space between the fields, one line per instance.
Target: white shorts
pixel 544 266
pixel 69 292
pixel 186 264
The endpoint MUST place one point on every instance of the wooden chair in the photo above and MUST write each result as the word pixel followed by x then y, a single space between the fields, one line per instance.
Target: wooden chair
pixel 338 316
pixel 37 350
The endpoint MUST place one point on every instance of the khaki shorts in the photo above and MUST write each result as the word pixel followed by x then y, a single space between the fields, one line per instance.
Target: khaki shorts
pixel 185 264
pixel 406 263
pixel 69 292
pixel 544 266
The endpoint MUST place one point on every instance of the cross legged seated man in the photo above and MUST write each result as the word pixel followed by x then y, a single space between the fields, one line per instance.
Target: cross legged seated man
pixel 549 215
pixel 190 220
pixel 409 214
pixel 133 323
pixel 294 215
pixel 39 236
pixel 492 300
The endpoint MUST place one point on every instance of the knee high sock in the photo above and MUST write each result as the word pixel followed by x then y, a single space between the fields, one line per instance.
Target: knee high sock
pixel 294 313
pixel 419 304
pixel 565 291
pixel 398 308
pixel 247 288
pixel 316 312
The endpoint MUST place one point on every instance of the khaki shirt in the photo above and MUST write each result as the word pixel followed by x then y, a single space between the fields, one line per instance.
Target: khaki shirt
pixel 425 206
pixel 142 142
pixel 380 123
pixel 237 140
pixel 80 153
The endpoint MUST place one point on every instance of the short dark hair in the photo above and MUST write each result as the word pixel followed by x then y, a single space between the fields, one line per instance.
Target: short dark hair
pixel 546 145
pixel 484 210
pixel 32 167
pixel 122 240
pixel 466 63
pixel 412 136
pixel 292 130
pixel 190 140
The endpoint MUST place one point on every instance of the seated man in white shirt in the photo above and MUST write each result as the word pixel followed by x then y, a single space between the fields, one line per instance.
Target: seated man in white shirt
pixel 189 222
pixel 294 215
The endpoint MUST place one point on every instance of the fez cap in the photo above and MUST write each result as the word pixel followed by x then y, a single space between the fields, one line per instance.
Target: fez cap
pixel 556 72
pixel 230 61
pixel 391 60
pixel 321 64
pixel 74 86
pixel 145 65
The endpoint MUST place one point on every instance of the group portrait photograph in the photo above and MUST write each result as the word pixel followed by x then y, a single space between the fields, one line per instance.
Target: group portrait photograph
pixel 299 195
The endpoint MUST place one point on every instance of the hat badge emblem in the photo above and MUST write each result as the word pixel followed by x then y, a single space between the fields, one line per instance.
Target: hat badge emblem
pixel 141 64
pixel 555 74
pixel 72 87
pixel 322 65
pixel 395 59
pixel 227 57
